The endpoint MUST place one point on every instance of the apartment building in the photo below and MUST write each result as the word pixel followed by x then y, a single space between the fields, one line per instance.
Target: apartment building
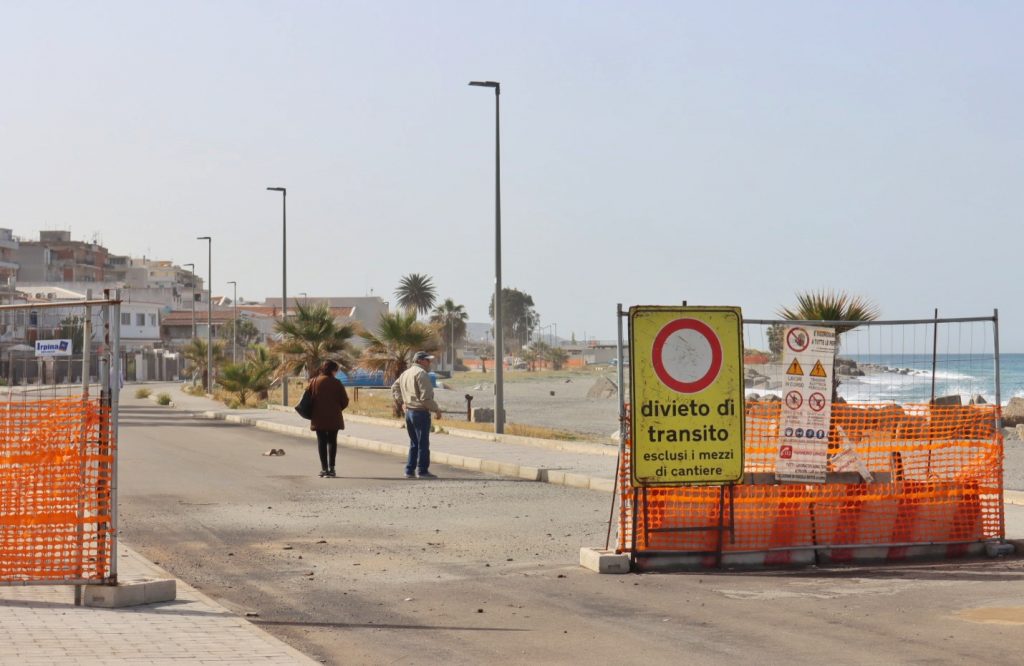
pixel 57 258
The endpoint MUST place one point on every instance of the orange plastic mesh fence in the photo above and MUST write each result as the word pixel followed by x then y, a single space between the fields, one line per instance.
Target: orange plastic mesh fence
pixel 937 478
pixel 56 463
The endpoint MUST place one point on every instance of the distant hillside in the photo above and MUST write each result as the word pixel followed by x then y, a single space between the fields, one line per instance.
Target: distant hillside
pixel 478 332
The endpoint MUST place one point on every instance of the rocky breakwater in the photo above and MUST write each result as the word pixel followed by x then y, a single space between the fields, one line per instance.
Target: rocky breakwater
pixel 1013 413
pixel 765 378
pixel 771 376
pixel 847 367
pixel 1013 419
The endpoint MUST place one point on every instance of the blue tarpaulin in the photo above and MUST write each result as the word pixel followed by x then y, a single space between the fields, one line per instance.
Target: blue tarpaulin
pixel 360 377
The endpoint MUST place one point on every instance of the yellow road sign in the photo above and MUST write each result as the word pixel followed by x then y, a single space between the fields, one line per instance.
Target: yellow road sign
pixel 795 368
pixel 686 395
pixel 818 370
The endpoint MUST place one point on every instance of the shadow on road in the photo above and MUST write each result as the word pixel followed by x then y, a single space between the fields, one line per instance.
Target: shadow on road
pixel 959 570
pixel 371 625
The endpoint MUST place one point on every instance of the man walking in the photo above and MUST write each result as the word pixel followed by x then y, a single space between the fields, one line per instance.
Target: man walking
pixel 414 391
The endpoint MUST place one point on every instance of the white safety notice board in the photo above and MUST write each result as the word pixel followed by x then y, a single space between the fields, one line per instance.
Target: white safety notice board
pixel 807 357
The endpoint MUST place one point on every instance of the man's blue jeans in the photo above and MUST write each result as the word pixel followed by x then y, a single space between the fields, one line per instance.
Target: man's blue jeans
pixel 418 425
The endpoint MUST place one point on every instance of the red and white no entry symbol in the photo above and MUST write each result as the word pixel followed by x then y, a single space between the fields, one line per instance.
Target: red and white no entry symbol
pixel 797 339
pixel 816 401
pixel 687 355
pixel 794 400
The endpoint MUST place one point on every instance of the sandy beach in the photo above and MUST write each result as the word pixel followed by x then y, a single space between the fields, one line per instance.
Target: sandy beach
pixel 551 400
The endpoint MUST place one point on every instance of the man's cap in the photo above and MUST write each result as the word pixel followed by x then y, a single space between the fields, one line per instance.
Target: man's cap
pixel 422 356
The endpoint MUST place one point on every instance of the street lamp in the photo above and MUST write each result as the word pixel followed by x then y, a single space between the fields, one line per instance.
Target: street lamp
pixel 209 313
pixel 499 351
pixel 193 292
pixel 284 272
pixel 234 323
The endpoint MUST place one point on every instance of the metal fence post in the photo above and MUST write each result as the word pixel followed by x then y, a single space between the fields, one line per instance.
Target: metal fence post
pixel 115 396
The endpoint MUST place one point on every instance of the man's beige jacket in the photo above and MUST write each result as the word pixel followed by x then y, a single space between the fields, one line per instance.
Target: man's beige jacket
pixel 413 389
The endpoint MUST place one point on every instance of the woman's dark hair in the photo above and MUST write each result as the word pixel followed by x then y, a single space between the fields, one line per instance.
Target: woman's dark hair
pixel 328 368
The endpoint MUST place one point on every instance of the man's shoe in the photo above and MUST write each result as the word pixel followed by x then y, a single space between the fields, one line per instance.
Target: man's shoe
pixel 331 474
pixel 426 475
pixel 410 476
pixel 323 473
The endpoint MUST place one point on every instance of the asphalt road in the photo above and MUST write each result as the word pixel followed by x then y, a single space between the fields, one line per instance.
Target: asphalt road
pixel 473 568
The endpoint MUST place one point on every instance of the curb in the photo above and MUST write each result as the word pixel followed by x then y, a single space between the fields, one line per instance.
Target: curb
pixel 591 447
pixel 527 473
pixel 1015 497
pixel 154 398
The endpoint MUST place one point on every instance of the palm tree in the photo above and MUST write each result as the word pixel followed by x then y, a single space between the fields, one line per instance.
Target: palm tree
pixel 831 306
pixel 250 376
pixel 416 292
pixel 450 320
pixel 557 356
pixel 538 351
pixel 263 362
pixel 485 354
pixel 310 337
pixel 398 337
pixel 195 351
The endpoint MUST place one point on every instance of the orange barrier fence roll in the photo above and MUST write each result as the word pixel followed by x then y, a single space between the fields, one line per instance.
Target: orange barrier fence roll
pixel 933 476
pixel 56 467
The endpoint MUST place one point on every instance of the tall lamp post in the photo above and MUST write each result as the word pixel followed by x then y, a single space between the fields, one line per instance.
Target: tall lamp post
pixel 284 272
pixel 193 292
pixel 209 312
pixel 234 323
pixel 499 350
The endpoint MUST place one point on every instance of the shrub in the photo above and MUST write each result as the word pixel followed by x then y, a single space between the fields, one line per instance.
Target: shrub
pixel 163 399
pixel 142 393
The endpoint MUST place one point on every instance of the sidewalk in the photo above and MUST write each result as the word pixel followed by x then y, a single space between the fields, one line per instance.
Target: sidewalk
pixel 41 625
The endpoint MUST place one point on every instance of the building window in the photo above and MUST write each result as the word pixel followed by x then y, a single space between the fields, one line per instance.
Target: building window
pixel 152 320
pixel 140 319
pixel 126 318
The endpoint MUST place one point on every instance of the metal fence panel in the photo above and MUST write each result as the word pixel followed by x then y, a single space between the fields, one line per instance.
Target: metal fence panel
pixel 58 434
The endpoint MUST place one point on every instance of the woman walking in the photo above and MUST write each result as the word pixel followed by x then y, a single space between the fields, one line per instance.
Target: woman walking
pixel 329 399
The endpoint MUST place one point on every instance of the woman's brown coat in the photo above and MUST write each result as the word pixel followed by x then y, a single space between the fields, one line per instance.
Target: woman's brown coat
pixel 329 398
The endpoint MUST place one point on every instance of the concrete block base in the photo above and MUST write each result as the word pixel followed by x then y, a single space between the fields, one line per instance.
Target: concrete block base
pixel 483 415
pixel 604 561
pixel 130 593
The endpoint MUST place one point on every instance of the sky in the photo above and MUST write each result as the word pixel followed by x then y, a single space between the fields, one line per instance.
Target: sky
pixel 719 153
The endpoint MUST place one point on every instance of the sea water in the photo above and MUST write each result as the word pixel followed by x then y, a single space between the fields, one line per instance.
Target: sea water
pixel 909 377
